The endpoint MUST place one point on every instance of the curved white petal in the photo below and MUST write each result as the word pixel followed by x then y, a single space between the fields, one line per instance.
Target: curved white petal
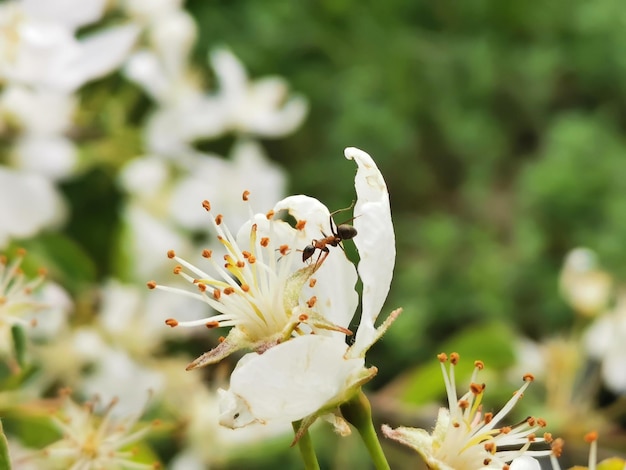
pixel 52 156
pixel 70 13
pixel 289 381
pixel 375 241
pixel 99 54
pixel 337 299
pixel 28 203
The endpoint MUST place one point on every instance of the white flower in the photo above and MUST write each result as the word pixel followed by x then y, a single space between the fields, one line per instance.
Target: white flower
pixel 28 204
pixel 262 107
pixel 313 374
pixel 16 293
pixel 265 291
pixel 38 46
pixel 91 441
pixel 465 437
pixel 212 178
pixel 583 285
pixel 158 215
pixel 604 341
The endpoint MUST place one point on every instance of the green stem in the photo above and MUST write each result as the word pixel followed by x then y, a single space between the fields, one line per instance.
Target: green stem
pixel 358 412
pixel 305 444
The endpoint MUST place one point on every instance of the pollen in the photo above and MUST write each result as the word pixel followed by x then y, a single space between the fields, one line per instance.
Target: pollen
pixel 171 254
pixel 491 447
pixel 207 205
pixel 245 287
pixel 454 358
pixel 229 290
pixel 591 437
pixel 212 324
pixel 477 388
pixel 201 286
pixel 528 377
pixel 547 437
pixel 172 322
pixel 151 284
pixel 300 224
pixel 312 282
pixel 251 259
pixel 303 317
pixel 265 241
pixel 240 264
pixel 217 294
pixel 218 219
pixel 207 254
pixel 557 447
pixel 283 249
pixel 245 195
pixel 270 215
pixel 480 365
pixel 443 357
pixel 177 269
pixel 488 417
pixel 311 302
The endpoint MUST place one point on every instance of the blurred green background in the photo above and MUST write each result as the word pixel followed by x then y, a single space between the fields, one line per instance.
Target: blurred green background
pixel 497 125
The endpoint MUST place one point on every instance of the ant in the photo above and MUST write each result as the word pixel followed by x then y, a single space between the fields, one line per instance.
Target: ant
pixel 340 233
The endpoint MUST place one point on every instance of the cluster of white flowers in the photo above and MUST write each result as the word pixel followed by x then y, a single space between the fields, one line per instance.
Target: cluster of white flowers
pixel 51 49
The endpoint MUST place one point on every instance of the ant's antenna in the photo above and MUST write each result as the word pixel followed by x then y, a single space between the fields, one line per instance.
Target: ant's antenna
pixel 344 209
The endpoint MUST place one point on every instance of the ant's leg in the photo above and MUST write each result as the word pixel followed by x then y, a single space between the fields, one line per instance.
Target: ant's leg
pixel 324 252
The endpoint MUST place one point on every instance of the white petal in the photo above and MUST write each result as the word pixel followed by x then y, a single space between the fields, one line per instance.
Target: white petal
pixel 54 157
pixel 28 203
pixel 70 13
pixel 39 111
pixel 294 379
pixel 100 53
pixel 599 336
pixel 143 67
pixel 336 297
pixel 525 463
pixel 144 176
pixel 375 241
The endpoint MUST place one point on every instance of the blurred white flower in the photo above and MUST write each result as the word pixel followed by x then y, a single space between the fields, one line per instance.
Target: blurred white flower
pixel 583 284
pixel 201 416
pixel 604 341
pixel 17 298
pixel 166 195
pixel 212 178
pixel 465 437
pixel 28 204
pixel 38 46
pixel 313 374
pixel 117 376
pixel 91 441
pixel 263 107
